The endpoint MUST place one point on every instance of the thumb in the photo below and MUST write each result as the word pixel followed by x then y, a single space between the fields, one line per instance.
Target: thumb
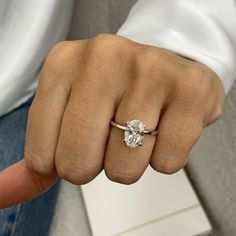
pixel 18 184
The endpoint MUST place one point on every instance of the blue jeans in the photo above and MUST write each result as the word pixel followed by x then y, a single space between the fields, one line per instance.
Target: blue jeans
pixel 32 218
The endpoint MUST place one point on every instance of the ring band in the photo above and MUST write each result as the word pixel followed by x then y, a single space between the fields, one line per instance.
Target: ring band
pixel 151 132
pixel 134 132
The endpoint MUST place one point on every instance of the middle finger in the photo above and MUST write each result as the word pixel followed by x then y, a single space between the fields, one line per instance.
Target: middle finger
pixel 84 132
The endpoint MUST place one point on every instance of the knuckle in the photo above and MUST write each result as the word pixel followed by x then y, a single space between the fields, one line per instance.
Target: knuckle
pixel 35 162
pixel 63 173
pixel 167 167
pixel 169 170
pixel 201 82
pixel 105 55
pixel 218 112
pixel 105 48
pixel 200 90
pixel 153 63
pixel 58 66
pixel 104 37
pixel 122 177
pixel 155 69
pixel 59 46
pixel 57 54
pixel 154 59
pixel 77 176
pixel 194 91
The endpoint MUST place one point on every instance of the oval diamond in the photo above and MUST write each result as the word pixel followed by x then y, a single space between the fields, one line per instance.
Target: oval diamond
pixel 134 135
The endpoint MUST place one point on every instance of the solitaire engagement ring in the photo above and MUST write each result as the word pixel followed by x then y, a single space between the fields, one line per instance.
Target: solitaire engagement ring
pixel 134 132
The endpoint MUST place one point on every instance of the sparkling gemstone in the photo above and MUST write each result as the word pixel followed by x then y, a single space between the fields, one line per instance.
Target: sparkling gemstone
pixel 134 134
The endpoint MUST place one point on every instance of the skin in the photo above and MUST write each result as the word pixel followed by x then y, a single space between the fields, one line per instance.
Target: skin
pixel 83 85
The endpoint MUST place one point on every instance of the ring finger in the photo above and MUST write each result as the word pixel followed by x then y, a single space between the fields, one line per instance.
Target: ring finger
pixel 124 164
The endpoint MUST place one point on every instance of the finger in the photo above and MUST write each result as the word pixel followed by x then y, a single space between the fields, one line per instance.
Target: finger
pixel 179 129
pixel 19 184
pixel 84 132
pixel 46 112
pixel 122 163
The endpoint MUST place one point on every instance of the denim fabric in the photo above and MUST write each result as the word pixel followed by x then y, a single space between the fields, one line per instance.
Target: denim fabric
pixel 33 217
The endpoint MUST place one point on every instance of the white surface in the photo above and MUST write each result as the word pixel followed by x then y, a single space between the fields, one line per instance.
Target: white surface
pixel 114 208
pixel 184 223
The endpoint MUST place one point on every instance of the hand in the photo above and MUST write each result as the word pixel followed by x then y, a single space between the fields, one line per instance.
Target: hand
pixel 83 85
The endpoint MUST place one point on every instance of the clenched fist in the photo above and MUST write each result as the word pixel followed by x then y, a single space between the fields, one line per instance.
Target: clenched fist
pixel 83 86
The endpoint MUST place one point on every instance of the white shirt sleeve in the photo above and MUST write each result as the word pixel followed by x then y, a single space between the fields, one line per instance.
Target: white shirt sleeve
pixel 204 30
pixel 28 30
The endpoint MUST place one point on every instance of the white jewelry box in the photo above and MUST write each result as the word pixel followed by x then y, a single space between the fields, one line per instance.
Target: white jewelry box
pixel 157 205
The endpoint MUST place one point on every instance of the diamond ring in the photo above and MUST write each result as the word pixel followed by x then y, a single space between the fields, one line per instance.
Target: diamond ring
pixel 134 132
